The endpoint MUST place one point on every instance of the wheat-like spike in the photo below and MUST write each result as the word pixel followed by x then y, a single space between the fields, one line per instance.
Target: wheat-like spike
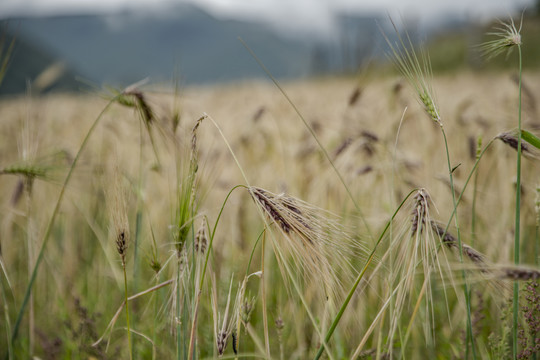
pixel 316 241
pixel 511 139
pixel 141 103
pixel 417 70
pixel 519 273
pixel 420 211
pixel 120 218
pixel 201 240
pixel 451 242
pixel 507 37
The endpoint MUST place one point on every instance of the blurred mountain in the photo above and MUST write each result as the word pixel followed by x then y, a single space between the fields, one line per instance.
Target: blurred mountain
pixel 31 64
pixel 183 41
pixel 126 47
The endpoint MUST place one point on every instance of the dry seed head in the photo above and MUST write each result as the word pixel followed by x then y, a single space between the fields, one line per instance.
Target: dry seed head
pixel 247 307
pixel 343 146
pixel 119 214
pixel 221 341
pixel 122 237
pixel 355 95
pixel 507 36
pixel 510 139
pixel 283 214
pixel 451 242
pixel 155 265
pixel 312 237
pixel 201 239
pixel 121 244
pixel 279 324
pixel 364 170
pixel 194 134
pixel 17 193
pixel 229 320
pixel 370 136
pixel 415 257
pixel 520 273
pixel 142 104
pixel 420 211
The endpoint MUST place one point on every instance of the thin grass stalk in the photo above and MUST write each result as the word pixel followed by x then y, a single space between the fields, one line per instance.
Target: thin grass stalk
pixel 417 75
pixel 475 193
pixel 258 343
pixel 470 338
pixel 471 173
pixel 517 231
pixel 324 344
pixel 380 315
pixel 246 277
pixel 391 253
pixel 277 253
pixel 127 312
pixel 48 230
pixel 360 276
pixel 155 316
pixel 132 297
pixel 380 337
pixel 263 294
pixel 9 354
pixel 198 297
pixel 178 315
pixel 30 244
pixel 413 316
pixel 312 132
pixel 156 266
pixel 537 226
pixel 138 218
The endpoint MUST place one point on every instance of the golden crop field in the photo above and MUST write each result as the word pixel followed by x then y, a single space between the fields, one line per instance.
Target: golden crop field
pixel 238 227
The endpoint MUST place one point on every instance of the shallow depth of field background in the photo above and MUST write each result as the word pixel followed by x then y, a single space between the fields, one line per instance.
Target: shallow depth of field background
pixel 368 120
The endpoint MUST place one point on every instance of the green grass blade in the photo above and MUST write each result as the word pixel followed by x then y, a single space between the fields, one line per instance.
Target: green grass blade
pixel 359 278
pixel 48 231
pixel 530 138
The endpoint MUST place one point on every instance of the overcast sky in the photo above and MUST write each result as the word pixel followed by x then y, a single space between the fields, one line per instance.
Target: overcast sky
pixel 306 14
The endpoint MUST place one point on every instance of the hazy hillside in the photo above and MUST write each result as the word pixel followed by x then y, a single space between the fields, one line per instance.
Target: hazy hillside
pixel 189 44
pixel 186 42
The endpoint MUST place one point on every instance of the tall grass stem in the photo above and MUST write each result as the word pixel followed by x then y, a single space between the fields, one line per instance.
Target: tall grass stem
pixel 359 278
pixel 312 132
pixel 517 232
pixel 49 228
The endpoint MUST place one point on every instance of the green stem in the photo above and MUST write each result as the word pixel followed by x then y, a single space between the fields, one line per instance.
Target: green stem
pixel 48 231
pixel 156 312
pixel 263 294
pixel 470 338
pixel 9 354
pixel 127 312
pixel 198 298
pixel 518 220
pixel 253 250
pixel 178 328
pixel 312 132
pixel 357 282
pixel 246 277
pixel 475 193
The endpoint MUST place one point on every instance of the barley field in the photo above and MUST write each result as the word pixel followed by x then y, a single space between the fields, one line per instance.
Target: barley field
pixel 239 224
